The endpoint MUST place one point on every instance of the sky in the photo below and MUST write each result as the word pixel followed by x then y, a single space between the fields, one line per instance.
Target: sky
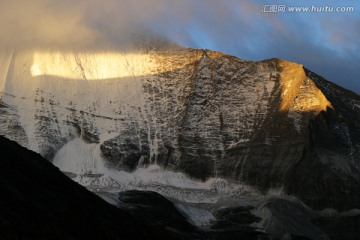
pixel 327 43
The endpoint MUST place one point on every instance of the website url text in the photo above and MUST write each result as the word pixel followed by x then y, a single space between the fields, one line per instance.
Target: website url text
pixel 310 9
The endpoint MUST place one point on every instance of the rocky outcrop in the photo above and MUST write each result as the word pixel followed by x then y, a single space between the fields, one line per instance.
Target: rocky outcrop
pixel 270 124
pixel 236 223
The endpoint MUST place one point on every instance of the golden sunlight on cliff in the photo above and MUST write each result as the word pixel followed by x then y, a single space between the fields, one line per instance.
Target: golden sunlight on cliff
pixel 92 66
pixel 107 65
pixel 299 93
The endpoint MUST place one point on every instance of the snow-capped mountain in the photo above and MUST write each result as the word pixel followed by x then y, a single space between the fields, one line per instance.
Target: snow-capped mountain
pixel 269 124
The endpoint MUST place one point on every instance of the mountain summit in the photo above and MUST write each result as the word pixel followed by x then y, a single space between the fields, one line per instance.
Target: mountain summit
pixel 271 124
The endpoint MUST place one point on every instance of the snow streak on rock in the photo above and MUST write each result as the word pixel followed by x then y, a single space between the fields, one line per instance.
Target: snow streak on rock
pixel 82 162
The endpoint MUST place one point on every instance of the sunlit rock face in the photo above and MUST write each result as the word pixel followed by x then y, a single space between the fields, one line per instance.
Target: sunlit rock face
pixel 90 66
pixel 270 124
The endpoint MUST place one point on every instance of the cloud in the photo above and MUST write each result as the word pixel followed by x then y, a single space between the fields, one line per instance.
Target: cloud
pixel 342 33
pixel 93 23
pixel 75 24
pixel 326 43
pixel 42 23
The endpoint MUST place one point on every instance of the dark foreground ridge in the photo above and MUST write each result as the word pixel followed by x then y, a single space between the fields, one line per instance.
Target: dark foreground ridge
pixel 39 202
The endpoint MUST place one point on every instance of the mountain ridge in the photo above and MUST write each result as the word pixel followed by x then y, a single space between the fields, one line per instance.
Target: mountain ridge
pixel 196 111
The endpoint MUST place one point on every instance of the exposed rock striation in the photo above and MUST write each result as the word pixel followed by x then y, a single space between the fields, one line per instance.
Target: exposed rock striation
pixel 271 124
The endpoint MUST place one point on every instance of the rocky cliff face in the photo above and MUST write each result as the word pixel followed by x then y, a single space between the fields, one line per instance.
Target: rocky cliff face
pixel 271 124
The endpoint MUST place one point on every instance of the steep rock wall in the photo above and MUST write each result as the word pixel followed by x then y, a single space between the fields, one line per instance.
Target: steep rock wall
pixel 270 124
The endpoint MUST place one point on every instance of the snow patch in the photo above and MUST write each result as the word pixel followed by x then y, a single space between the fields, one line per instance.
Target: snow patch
pixel 80 158
pixel 91 171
